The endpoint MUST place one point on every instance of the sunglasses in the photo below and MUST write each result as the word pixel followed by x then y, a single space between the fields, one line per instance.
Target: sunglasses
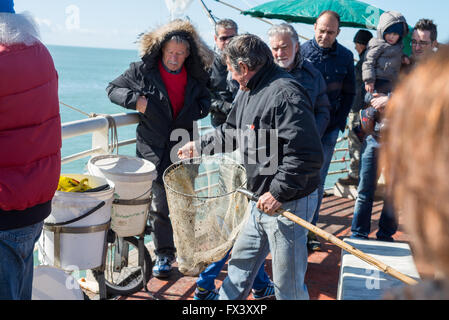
pixel 224 38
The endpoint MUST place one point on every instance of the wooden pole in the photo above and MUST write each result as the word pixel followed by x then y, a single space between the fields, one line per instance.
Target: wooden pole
pixel 356 252
pixel 340 243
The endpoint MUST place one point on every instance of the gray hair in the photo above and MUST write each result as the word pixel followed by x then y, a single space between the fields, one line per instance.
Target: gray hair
pixel 248 49
pixel 179 39
pixel 226 24
pixel 284 28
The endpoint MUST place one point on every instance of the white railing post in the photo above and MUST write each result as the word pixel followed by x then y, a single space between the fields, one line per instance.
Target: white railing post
pixel 100 139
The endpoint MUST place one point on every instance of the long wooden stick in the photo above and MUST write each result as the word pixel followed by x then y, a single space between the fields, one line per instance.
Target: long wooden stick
pixel 356 252
pixel 340 243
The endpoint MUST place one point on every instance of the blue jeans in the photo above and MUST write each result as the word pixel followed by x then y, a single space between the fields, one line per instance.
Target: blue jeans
pixel 361 222
pixel 287 242
pixel 328 141
pixel 206 279
pixel 16 261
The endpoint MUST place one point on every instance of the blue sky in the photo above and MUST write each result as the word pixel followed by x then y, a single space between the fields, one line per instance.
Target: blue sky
pixel 116 24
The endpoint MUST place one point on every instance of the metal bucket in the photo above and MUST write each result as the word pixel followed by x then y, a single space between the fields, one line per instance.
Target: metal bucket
pixel 205 211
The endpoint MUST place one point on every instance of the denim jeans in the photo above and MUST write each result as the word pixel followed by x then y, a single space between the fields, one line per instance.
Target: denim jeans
pixel 206 279
pixel 16 261
pixel 328 141
pixel 287 242
pixel 361 222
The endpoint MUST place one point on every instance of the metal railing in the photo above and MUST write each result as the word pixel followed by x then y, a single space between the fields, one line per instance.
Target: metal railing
pixel 100 127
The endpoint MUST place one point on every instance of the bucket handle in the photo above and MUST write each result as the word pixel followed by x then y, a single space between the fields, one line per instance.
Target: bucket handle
pixel 98 207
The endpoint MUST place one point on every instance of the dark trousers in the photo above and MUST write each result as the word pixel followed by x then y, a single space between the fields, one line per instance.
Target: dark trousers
pixel 159 218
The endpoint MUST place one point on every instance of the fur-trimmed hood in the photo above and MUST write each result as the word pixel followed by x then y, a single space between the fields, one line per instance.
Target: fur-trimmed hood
pixel 200 59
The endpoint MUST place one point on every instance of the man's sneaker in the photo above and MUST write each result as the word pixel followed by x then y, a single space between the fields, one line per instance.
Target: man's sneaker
pixel 313 244
pixel 348 181
pixel 162 267
pixel 264 294
pixel 203 294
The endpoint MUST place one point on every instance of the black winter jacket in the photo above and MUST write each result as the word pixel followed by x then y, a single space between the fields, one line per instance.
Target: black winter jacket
pixel 157 124
pixel 275 101
pixel 222 92
pixel 336 64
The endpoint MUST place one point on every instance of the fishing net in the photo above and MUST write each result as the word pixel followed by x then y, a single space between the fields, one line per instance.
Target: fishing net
pixel 206 212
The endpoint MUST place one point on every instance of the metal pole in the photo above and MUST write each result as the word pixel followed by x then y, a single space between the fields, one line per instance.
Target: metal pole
pixel 208 12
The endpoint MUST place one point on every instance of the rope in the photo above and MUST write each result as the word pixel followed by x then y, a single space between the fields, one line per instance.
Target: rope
pixel 76 109
pixel 112 127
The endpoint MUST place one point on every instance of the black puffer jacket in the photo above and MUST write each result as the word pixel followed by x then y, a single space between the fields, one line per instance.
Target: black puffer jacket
pixel 276 102
pixel 143 78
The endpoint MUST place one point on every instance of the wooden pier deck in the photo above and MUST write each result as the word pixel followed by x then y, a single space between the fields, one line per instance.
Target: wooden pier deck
pixel 323 268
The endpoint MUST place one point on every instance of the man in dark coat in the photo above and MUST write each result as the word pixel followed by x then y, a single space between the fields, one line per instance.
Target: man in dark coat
pixel 282 157
pixel 222 88
pixel 361 39
pixel 168 89
pixel 336 64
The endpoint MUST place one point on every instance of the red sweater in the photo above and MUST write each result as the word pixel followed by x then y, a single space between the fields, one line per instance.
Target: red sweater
pixel 176 87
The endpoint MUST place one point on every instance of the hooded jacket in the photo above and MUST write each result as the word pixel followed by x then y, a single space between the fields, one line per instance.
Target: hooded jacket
pixel 383 60
pixel 275 108
pixel 143 78
pixel 30 125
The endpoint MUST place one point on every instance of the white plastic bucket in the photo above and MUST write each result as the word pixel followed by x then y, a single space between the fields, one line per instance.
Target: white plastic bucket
pixel 80 251
pixel 50 283
pixel 133 178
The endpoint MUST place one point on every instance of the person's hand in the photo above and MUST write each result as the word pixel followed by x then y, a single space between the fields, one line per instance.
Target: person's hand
pixel 141 105
pixel 369 87
pixel 406 60
pixel 379 101
pixel 187 151
pixel 268 204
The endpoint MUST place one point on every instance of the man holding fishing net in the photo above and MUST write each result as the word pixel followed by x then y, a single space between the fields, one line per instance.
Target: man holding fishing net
pixel 282 161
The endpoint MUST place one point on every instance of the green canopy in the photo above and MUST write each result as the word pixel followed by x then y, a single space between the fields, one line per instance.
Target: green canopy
pixel 353 13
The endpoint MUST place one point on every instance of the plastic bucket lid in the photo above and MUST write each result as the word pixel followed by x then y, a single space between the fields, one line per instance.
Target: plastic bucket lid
pixel 123 168
pixel 50 283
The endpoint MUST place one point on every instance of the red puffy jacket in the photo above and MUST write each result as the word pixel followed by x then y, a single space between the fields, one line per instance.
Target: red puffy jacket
pixel 30 127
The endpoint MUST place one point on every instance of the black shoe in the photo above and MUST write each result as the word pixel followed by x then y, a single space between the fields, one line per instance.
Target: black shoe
pixel 348 181
pixel 386 239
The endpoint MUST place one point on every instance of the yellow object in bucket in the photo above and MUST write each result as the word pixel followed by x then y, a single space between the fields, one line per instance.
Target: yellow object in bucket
pixel 67 184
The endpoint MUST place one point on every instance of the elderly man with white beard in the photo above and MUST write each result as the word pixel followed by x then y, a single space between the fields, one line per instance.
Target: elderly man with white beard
pixel 285 47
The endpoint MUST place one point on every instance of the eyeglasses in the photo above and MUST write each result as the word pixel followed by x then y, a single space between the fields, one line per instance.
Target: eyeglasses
pixel 224 38
pixel 420 43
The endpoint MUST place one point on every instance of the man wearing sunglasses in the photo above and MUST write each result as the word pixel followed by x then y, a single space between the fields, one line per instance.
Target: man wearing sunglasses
pixel 223 89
